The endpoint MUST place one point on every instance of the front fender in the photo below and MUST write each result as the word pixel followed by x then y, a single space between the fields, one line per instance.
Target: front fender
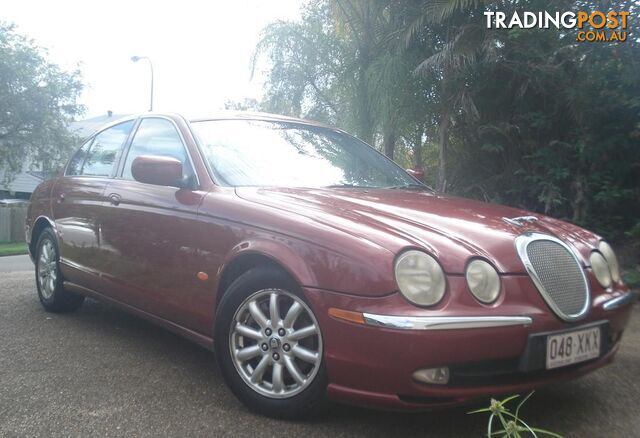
pixel 276 252
pixel 311 265
pixel 314 254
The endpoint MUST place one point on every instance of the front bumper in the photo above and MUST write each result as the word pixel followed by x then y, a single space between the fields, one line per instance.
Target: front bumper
pixel 487 348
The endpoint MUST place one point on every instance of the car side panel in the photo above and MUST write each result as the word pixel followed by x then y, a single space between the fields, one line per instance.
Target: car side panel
pixel 77 207
pixel 149 250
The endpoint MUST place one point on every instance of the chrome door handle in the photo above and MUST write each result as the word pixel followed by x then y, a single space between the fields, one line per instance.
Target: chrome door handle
pixel 60 198
pixel 115 199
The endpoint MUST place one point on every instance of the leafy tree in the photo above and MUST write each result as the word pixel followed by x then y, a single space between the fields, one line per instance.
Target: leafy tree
pixel 37 101
pixel 341 64
pixel 557 127
pixel 458 42
pixel 306 64
pixel 246 104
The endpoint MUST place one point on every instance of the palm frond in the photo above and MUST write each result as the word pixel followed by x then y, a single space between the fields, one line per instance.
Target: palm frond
pixel 417 24
pixel 440 10
pixel 457 53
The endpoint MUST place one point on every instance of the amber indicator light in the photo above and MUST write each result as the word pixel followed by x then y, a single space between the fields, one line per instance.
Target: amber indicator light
pixel 347 315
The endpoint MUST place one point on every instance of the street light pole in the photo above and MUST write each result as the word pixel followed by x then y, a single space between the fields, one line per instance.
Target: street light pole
pixel 138 58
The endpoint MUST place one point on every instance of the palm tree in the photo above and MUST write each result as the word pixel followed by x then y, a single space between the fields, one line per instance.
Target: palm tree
pixel 462 41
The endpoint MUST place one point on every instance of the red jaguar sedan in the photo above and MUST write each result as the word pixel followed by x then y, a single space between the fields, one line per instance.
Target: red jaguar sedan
pixel 320 270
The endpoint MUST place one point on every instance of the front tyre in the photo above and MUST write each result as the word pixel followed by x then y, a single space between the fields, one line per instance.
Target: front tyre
pixel 269 346
pixel 49 282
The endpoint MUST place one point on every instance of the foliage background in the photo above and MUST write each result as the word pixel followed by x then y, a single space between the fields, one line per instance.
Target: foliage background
pixel 526 117
pixel 37 102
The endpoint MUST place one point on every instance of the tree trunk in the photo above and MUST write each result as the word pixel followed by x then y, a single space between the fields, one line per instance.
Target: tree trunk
pixel 364 118
pixel 579 203
pixel 443 144
pixel 389 142
pixel 446 99
pixel 364 114
pixel 417 149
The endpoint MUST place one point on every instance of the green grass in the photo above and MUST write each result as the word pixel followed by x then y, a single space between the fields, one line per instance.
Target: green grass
pixel 513 426
pixel 14 248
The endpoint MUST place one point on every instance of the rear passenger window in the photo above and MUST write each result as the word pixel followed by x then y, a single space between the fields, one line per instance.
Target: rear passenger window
pixel 105 150
pixel 157 137
pixel 75 164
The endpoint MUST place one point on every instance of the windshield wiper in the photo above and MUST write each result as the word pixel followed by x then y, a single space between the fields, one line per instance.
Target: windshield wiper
pixel 409 187
pixel 340 186
pixel 398 187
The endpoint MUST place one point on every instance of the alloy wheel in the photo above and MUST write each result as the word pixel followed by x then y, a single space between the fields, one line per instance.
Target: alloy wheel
pixel 47 269
pixel 275 343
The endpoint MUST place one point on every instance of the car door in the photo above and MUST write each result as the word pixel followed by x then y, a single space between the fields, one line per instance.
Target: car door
pixel 149 232
pixel 78 204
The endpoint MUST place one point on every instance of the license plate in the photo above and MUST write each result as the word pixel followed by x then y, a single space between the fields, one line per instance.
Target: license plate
pixel 572 347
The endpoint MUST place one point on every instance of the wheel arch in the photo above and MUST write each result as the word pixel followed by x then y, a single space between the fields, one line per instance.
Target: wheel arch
pixel 247 256
pixel 39 225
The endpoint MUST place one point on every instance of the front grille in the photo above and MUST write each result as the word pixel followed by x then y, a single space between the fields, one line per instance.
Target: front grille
pixel 557 274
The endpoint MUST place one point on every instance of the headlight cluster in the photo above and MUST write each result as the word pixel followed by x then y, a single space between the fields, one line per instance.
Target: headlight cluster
pixel 422 281
pixel 483 281
pixel 611 259
pixel 420 278
pixel 605 265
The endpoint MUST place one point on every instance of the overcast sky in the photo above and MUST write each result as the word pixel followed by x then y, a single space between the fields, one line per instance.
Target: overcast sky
pixel 201 50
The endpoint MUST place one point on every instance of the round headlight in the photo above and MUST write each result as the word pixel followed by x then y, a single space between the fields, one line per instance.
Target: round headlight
pixel 611 259
pixel 420 278
pixel 600 269
pixel 483 281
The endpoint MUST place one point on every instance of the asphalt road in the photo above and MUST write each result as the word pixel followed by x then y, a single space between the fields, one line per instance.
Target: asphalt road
pixel 16 263
pixel 102 372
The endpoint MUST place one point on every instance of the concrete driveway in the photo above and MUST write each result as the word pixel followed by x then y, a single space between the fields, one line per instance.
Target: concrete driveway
pixel 102 372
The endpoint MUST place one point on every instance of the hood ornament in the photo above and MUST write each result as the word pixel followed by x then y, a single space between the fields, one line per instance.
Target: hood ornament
pixel 520 220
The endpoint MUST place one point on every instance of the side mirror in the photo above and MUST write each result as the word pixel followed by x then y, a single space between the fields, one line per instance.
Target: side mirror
pixel 416 173
pixel 161 171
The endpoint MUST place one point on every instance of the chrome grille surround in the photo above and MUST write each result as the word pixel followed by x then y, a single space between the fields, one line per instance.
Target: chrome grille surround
pixel 557 273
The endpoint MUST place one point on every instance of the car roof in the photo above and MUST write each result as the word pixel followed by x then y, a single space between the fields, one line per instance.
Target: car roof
pixel 218 115
pixel 250 115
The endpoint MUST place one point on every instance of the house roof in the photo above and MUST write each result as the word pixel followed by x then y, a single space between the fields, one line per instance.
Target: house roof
pixel 84 128
pixel 22 182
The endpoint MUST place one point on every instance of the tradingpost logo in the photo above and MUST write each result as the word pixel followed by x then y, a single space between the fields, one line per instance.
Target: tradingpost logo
pixel 592 26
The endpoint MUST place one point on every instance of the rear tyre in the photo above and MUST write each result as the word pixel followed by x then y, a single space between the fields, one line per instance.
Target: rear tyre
pixel 49 281
pixel 269 346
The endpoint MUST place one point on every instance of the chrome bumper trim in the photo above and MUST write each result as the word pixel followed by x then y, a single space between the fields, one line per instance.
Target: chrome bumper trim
pixel 443 322
pixel 617 302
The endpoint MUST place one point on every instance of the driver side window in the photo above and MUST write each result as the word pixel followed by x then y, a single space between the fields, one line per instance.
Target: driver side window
pixel 157 137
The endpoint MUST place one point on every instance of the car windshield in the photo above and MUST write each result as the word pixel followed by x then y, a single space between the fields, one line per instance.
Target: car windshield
pixel 284 154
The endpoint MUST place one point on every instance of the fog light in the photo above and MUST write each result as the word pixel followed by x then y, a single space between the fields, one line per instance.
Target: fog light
pixel 435 376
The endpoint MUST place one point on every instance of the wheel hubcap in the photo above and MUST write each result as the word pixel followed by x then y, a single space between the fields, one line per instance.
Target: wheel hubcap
pixel 275 343
pixel 47 269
